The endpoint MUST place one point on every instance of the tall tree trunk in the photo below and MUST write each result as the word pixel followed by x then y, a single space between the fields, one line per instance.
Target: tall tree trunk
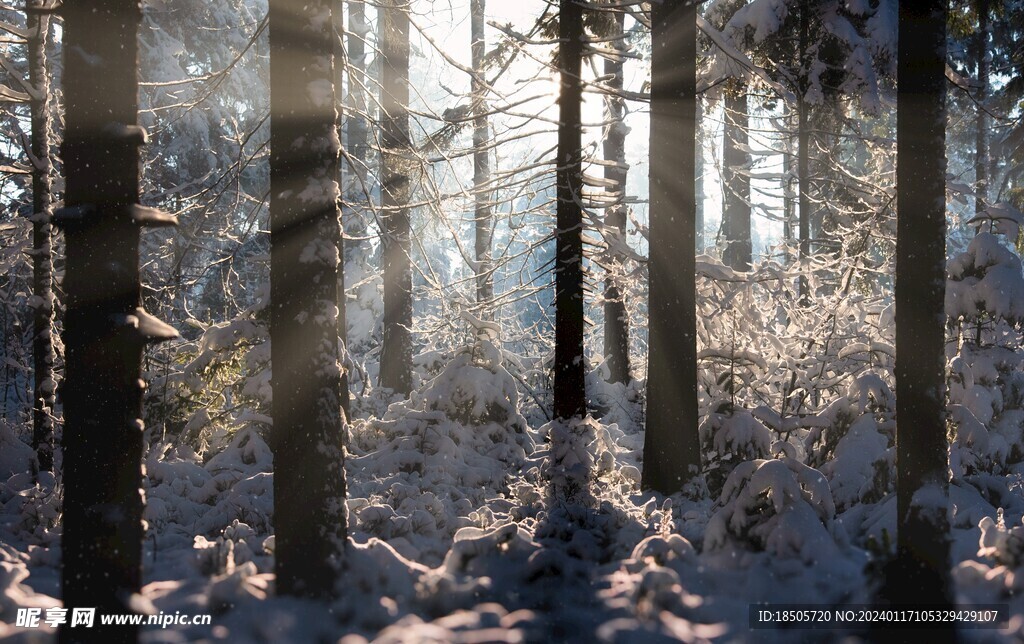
pixel 921 570
pixel 396 349
pixel 788 180
pixel 481 163
pixel 355 121
pixel 570 396
pixel 699 179
pixel 338 49
pixel 616 319
pixel 42 253
pixel 981 159
pixel 305 235
pixel 105 325
pixel 803 143
pixel 357 198
pixel 736 188
pixel 671 448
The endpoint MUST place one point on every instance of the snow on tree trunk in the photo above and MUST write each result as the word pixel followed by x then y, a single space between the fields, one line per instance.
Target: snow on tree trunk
pixel 305 234
pixel 42 246
pixel 921 570
pixel 569 367
pixel 736 188
pixel 106 328
pixel 396 162
pixel 671 447
pixel 616 318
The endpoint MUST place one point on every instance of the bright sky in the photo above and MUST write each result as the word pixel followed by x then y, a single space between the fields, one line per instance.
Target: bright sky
pixel 447 24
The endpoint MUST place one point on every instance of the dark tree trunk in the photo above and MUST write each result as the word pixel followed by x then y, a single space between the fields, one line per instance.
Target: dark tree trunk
pixel 671 449
pixel 396 349
pixel 616 319
pixel 106 328
pixel 481 163
pixel 42 248
pixel 570 397
pixel 803 143
pixel 981 159
pixel 305 234
pixel 735 168
pixel 920 573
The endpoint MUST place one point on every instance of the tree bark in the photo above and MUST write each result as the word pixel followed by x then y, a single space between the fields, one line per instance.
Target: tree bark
pixel 305 234
pixel 616 318
pixel 570 396
pixel 344 207
pixel 396 347
pixel 105 326
pixel 357 198
pixel 788 180
pixel 736 188
pixel 671 448
pixel 43 356
pixel 355 121
pixel 921 570
pixel 702 243
pixel 981 159
pixel 483 218
pixel 803 154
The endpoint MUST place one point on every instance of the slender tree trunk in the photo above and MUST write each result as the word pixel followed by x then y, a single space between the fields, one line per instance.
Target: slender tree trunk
pixel 355 121
pixel 42 254
pixel 616 319
pixel 788 180
pixel 481 163
pixel 357 197
pixel 921 571
pixel 305 235
pixel 736 188
pixel 671 448
pixel 981 159
pixel 105 326
pixel 396 349
pixel 570 397
pixel 338 49
pixel 803 154
pixel 702 242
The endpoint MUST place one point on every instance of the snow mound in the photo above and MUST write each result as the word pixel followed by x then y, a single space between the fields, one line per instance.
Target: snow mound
pixel 780 506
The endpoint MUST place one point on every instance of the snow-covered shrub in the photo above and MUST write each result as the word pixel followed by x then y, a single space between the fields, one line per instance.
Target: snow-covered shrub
pixel 985 280
pixel 778 505
pixel 33 498
pixel 998 574
pixel 616 403
pixel 1003 545
pixel 214 384
pixel 854 446
pixel 238 544
pixel 431 461
pixel 729 437
pixel 985 290
pixel 186 496
pixel 986 395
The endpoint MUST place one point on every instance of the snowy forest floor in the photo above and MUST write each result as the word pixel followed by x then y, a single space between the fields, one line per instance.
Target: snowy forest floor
pixel 466 525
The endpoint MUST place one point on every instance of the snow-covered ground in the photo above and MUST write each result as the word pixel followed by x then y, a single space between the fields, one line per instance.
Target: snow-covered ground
pixel 470 523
